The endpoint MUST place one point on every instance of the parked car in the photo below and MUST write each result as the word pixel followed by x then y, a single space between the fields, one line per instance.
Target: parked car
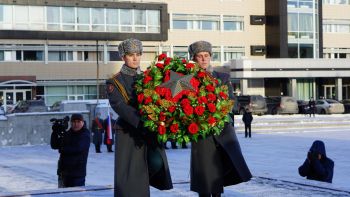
pixel 303 107
pixel 255 103
pixel 56 106
pixel 329 106
pixel 281 105
pixel 29 106
pixel 346 104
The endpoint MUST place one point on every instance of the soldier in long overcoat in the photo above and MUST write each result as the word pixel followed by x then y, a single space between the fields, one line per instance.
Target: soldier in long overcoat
pixel 216 161
pixel 139 160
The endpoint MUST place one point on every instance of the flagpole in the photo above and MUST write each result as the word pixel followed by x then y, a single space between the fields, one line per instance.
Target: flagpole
pixel 97 73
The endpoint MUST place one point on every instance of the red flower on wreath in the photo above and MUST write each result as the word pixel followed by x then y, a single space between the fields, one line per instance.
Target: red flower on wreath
pixel 201 74
pixel 211 107
pixel 140 98
pixel 202 100
pixel 161 129
pixel 211 120
pixel 161 57
pixel 174 128
pixel 211 97
pixel 188 110
pixel 162 116
pixel 147 79
pixel 193 128
pixel 167 61
pixel 223 95
pixel 147 100
pixel 210 88
pixel 199 110
pixel 160 65
pixel 171 109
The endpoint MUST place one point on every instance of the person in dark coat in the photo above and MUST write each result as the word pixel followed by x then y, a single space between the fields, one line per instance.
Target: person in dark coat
pixel 312 106
pixel 73 146
pixel 140 161
pixel 97 132
pixel 317 166
pixel 247 119
pixel 109 141
pixel 216 161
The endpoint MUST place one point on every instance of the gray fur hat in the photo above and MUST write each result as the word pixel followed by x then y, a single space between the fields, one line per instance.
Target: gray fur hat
pixel 129 46
pixel 199 46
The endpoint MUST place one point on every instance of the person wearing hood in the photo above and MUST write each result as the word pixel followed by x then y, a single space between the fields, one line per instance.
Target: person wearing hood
pixel 217 160
pixel 247 118
pixel 317 165
pixel 140 161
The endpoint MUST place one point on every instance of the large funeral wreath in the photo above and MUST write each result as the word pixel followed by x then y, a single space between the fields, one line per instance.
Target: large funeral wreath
pixel 180 101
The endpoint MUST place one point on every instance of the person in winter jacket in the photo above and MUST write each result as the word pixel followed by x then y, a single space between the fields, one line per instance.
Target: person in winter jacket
pixel 317 166
pixel 247 119
pixel 217 160
pixel 73 146
pixel 97 132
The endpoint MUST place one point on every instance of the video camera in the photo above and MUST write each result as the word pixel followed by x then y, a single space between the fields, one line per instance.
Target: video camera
pixel 60 126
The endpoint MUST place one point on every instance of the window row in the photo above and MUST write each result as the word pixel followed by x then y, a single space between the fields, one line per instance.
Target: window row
pixel 74 92
pixel 336 28
pixel 78 56
pixel 50 18
pixel 336 2
pixel 301 3
pixel 207 22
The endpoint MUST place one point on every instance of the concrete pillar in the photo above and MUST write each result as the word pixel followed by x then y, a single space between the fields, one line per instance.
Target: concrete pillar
pixel 244 86
pixel 339 89
pixel 105 53
pixel 294 89
pixel 46 53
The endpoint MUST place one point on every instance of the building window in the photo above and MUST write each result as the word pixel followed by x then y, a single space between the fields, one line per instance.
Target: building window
pixel 98 19
pixel 126 20
pixel 33 56
pixel 231 52
pixel 83 19
pixel 196 22
pixel 140 20
pixel 53 18
pixel 60 55
pixel 37 17
pixel 1 13
pixel 2 58
pixel 112 20
pixel 153 21
pixel 68 18
pixel 21 17
pixel 114 56
pixel 233 23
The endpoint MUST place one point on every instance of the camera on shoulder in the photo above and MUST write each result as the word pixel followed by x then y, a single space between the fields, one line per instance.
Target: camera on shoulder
pixel 60 126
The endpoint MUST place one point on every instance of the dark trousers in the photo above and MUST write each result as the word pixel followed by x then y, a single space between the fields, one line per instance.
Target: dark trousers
pixel 66 181
pixel 248 127
pixel 109 147
pixel 98 148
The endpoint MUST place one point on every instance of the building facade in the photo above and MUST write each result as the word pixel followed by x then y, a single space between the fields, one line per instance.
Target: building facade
pixel 65 49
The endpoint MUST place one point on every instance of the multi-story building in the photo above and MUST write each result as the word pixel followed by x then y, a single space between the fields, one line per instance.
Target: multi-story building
pixel 65 49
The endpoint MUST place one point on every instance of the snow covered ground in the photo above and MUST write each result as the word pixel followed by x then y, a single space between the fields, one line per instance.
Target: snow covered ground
pixel 273 155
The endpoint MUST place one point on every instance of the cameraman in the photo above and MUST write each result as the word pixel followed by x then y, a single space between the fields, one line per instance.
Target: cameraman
pixel 73 146
pixel 317 166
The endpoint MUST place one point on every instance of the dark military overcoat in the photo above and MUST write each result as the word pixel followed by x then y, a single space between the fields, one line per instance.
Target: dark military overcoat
pixel 217 161
pixel 131 168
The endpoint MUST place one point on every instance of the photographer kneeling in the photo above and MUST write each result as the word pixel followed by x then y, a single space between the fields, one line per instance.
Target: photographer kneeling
pixel 73 146
pixel 317 165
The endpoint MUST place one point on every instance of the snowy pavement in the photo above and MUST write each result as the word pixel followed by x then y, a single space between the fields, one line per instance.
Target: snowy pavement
pixel 273 158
